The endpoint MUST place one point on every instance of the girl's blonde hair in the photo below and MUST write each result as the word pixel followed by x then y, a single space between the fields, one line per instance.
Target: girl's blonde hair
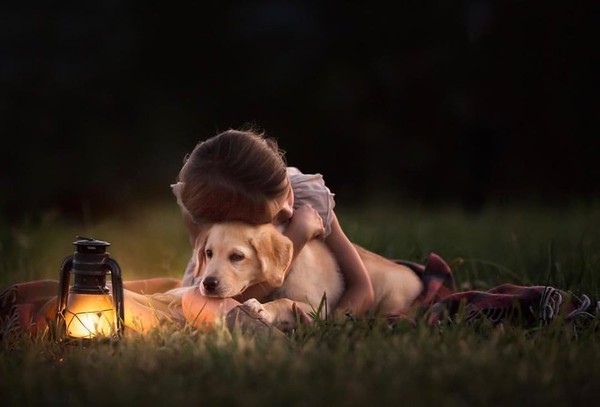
pixel 235 175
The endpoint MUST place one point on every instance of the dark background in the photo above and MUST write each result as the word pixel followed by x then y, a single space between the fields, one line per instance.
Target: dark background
pixel 470 102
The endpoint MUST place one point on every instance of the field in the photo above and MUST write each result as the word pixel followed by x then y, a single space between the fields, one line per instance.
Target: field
pixel 355 363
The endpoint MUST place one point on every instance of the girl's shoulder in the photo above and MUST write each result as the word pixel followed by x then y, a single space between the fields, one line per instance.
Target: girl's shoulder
pixel 310 189
pixel 298 177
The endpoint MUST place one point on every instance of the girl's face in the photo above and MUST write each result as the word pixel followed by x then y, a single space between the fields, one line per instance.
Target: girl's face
pixel 284 206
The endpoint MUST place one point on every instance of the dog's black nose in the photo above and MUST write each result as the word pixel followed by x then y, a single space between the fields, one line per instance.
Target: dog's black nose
pixel 210 283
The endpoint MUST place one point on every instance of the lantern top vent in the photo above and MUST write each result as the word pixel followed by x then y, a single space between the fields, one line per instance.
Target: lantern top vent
pixel 90 245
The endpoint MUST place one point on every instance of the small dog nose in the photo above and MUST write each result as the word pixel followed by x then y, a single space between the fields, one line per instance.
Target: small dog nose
pixel 210 283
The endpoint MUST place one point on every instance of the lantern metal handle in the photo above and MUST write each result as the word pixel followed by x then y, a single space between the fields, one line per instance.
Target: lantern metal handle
pixel 63 286
pixel 117 291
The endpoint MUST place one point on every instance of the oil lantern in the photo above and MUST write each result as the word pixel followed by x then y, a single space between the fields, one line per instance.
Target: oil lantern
pixel 88 308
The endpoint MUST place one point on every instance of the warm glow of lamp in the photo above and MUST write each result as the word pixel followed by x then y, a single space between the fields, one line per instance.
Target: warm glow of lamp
pixel 90 315
pixel 88 309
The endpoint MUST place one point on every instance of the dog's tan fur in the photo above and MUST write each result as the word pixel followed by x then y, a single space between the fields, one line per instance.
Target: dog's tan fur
pixel 234 256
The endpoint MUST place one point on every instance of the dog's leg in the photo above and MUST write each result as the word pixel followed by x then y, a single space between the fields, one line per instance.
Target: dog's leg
pixel 282 313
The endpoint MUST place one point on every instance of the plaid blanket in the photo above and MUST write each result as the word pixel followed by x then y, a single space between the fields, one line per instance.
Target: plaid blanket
pixel 526 305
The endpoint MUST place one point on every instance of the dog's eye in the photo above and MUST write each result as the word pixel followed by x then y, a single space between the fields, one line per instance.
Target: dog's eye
pixel 236 257
pixel 208 253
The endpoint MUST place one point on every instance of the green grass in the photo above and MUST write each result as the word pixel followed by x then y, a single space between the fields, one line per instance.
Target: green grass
pixel 354 363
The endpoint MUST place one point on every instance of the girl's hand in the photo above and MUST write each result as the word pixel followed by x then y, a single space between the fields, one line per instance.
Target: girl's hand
pixel 306 223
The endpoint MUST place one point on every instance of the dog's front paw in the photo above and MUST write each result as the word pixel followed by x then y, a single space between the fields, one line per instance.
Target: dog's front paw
pixel 257 307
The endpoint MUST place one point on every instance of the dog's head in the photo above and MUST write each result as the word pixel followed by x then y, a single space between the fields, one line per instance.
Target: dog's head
pixel 233 256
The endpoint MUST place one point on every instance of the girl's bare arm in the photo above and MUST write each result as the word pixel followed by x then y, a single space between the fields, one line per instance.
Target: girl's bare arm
pixel 358 296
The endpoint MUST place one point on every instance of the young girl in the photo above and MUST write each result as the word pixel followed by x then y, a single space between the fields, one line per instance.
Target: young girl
pixel 242 175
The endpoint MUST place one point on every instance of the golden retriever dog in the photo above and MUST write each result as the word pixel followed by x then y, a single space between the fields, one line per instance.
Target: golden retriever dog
pixel 234 256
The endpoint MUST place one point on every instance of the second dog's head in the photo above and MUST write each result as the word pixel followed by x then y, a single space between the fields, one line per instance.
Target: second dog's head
pixel 234 256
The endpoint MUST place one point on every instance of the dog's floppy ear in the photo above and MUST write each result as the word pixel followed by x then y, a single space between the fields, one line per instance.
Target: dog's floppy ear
pixel 199 253
pixel 274 252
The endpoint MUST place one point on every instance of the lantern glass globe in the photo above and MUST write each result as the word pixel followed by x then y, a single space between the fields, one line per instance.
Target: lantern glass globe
pixel 90 316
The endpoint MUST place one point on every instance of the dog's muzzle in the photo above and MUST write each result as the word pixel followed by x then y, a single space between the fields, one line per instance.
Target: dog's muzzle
pixel 210 284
